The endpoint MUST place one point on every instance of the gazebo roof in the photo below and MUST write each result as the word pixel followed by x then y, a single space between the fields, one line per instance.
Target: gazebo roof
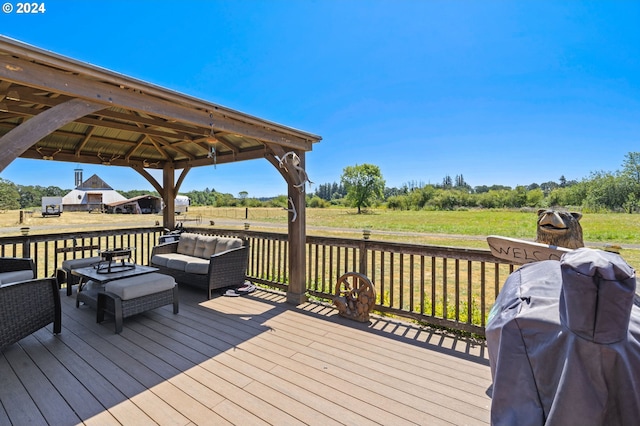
pixel 108 118
pixel 57 108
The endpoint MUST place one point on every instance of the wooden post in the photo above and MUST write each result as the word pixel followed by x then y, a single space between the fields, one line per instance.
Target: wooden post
pixel 363 257
pixel 297 289
pixel 169 196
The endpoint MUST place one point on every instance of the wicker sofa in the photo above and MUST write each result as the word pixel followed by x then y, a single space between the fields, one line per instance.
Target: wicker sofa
pixel 26 307
pixel 204 261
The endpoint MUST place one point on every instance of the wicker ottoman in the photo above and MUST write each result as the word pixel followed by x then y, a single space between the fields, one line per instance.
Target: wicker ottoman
pixel 130 296
pixel 63 274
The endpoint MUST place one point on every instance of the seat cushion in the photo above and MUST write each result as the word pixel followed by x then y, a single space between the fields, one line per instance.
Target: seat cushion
pixel 179 261
pixel 187 243
pixel 14 276
pixel 141 285
pixel 71 264
pixel 162 259
pixel 225 243
pixel 197 266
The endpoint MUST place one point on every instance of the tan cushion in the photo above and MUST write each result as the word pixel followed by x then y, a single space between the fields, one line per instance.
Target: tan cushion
pixel 187 243
pixel 205 246
pixel 197 266
pixel 141 285
pixel 225 244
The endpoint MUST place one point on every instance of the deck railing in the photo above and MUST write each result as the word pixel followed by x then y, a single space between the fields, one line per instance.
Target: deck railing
pixel 442 286
pixel 49 251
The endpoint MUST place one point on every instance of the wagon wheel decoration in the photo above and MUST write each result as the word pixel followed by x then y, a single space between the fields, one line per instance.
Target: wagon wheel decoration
pixel 355 296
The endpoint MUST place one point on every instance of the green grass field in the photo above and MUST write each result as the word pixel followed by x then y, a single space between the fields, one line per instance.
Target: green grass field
pixel 443 228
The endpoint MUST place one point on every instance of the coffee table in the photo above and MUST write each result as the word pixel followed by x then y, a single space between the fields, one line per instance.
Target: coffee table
pixel 89 296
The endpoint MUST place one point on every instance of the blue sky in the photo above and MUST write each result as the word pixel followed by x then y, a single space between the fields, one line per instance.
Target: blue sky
pixel 501 92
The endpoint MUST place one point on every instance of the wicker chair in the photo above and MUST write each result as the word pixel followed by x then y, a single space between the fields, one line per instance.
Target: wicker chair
pixel 26 307
pixel 14 269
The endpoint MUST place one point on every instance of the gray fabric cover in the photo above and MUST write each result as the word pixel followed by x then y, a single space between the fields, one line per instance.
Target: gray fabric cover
pixel 140 285
pixel 15 276
pixel 84 262
pixel 564 343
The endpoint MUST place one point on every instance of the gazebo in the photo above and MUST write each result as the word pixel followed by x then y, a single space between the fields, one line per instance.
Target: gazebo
pixel 56 108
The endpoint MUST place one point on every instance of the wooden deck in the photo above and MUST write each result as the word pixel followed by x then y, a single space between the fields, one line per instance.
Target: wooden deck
pixel 246 360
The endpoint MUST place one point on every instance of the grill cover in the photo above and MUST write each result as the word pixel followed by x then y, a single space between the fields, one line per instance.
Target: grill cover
pixel 564 343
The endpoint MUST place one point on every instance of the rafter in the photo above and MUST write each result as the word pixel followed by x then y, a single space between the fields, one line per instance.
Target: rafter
pixel 46 78
pixel 19 139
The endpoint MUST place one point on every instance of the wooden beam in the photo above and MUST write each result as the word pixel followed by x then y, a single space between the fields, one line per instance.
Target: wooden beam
pixel 183 175
pixel 289 174
pixel 46 78
pixel 30 95
pixel 168 194
pixel 221 158
pixel 134 127
pixel 85 139
pixel 138 168
pixel 20 138
pixel 297 288
pixel 171 146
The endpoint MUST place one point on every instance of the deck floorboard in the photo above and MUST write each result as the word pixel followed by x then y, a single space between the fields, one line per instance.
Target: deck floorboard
pixel 247 360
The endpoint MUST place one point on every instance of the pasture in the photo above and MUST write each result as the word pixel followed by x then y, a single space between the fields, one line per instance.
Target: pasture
pixel 442 228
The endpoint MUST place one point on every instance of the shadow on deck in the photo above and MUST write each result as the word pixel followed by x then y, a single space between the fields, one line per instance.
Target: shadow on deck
pixel 244 360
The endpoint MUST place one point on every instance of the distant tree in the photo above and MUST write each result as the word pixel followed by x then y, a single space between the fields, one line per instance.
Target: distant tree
pixel 547 187
pixel 606 191
pixel 499 188
pixel 9 195
pixel 562 181
pixel 391 192
pixel 533 186
pixel 317 202
pixel 138 192
pixel 398 202
pixel 364 184
pixel 447 182
pixel 461 184
pixel 30 196
pixel 413 184
pixel 330 191
pixel 631 177
pixel 631 167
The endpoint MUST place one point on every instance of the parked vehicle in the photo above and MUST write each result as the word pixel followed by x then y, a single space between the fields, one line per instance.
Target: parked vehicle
pixel 51 206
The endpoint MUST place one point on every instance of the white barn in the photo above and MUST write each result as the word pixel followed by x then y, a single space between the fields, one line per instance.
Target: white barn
pixel 92 194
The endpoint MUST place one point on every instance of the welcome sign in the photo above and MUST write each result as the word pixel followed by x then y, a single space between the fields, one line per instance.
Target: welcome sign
pixel 521 251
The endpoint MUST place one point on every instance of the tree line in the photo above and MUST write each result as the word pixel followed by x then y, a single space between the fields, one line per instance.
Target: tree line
pixel 601 191
pixel 363 186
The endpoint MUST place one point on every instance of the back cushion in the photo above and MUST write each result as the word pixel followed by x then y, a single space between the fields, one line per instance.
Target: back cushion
pixel 225 244
pixel 205 246
pixel 187 243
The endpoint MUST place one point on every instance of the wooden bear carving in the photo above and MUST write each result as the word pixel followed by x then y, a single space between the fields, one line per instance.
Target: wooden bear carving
pixel 559 228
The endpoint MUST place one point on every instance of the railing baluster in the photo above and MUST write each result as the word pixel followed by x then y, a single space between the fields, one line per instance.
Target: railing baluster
pixel 392 267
